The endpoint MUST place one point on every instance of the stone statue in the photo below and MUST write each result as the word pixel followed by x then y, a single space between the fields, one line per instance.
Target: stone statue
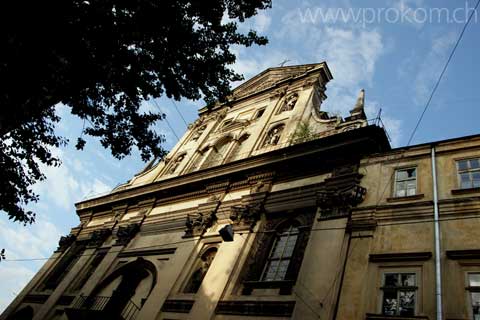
pixel 273 136
pixel 289 103
pixel 176 164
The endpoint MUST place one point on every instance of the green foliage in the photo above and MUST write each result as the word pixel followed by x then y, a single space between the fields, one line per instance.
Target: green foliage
pixel 102 59
pixel 303 133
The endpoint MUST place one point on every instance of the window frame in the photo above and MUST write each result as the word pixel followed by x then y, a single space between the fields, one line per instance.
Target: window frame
pixel 253 267
pixel 469 170
pixel 395 181
pixel 270 257
pixel 469 290
pixel 406 269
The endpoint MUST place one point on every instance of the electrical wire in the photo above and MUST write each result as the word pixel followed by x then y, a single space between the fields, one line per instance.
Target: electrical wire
pixel 178 110
pixel 166 120
pixel 434 90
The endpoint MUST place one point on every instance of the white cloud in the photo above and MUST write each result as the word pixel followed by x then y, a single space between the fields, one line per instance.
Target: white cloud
pixel 261 22
pixel 432 65
pixel 31 241
pixel 250 64
pixel 70 182
pixel 13 277
pixel 352 54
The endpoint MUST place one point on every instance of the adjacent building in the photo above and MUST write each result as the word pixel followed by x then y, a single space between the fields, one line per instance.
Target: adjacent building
pixel 271 208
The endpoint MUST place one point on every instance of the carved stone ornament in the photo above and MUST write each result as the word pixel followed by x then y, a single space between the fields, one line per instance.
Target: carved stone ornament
pixel 65 242
pixel 198 132
pixel 199 223
pixel 126 233
pixel 246 215
pixel 176 163
pixel 197 123
pixel 98 237
pixel 219 115
pixel 273 136
pixel 338 202
pixel 289 102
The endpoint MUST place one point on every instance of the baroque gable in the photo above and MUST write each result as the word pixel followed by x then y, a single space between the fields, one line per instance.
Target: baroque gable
pixel 272 76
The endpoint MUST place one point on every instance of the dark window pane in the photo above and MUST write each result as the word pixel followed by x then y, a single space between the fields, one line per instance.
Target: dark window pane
pixel 390 302
pixel 476 179
pixel 474 164
pixel 463 165
pixel 391 280
pixel 411 173
pixel 476 304
pixel 407 303
pixel 260 113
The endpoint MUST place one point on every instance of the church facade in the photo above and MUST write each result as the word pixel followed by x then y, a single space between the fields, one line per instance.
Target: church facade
pixel 270 208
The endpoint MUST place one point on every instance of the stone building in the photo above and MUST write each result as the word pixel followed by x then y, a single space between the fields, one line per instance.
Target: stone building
pixel 328 221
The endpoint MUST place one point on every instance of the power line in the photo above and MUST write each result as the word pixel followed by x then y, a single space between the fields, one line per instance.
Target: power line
pixel 434 90
pixel 443 71
pixel 178 110
pixel 166 120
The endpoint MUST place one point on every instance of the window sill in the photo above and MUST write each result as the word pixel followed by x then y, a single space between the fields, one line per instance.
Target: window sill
pixel 406 198
pixel 465 191
pixel 371 316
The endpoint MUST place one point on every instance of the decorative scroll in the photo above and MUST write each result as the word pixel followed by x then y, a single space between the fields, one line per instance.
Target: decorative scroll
pixel 246 215
pixel 98 237
pixel 126 233
pixel 199 223
pixel 338 202
pixel 65 242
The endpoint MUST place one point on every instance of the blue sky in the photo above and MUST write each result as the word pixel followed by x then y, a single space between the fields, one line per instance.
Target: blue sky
pixel 393 49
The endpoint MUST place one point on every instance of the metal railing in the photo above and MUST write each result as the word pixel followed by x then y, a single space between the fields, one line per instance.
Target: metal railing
pixel 98 303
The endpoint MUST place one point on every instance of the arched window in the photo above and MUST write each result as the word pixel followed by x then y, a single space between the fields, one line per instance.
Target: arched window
pixel 281 253
pixel 273 136
pixel 217 154
pixel 200 270
pixel 236 152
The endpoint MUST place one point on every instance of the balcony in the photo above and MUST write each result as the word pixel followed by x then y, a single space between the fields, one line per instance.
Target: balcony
pixel 98 307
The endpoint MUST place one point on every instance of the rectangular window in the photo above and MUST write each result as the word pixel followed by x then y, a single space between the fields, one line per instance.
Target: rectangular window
pixel 469 173
pixel 281 254
pixel 405 182
pixel 474 288
pixel 399 294
pixel 259 113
